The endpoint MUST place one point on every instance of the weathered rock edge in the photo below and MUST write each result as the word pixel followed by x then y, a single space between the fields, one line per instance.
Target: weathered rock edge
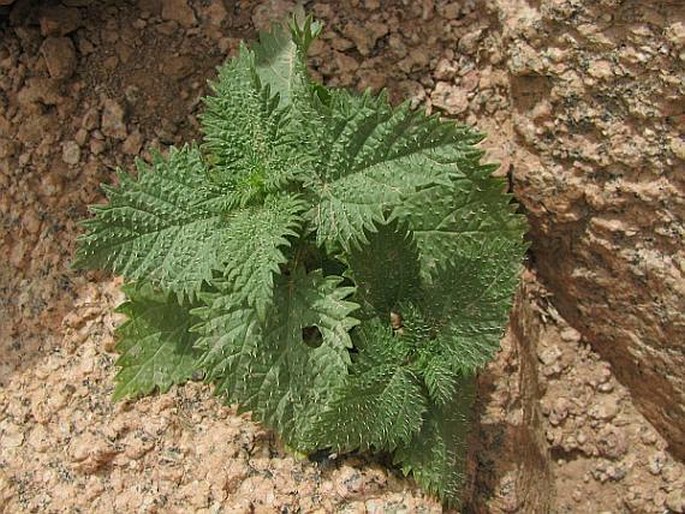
pixel 596 92
pixel 502 477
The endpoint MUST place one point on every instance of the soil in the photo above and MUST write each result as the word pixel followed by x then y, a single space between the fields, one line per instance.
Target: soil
pixel 85 88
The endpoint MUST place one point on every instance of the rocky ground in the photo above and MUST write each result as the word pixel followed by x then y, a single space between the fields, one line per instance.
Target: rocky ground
pixel 85 87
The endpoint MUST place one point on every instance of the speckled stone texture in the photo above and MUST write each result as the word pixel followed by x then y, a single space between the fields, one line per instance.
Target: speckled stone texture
pixel 598 112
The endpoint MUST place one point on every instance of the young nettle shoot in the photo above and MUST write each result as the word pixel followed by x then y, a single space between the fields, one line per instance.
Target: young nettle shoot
pixel 337 266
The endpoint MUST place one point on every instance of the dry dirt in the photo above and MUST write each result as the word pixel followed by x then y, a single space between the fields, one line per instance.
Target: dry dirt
pixel 86 86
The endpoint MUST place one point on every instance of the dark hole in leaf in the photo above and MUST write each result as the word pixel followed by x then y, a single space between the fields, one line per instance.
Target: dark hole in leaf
pixel 312 336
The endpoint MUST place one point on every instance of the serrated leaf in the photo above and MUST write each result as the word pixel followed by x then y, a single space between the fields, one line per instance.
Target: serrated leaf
pixel 381 408
pixel 457 323
pixel 456 218
pixel 441 374
pixel 155 344
pixel 381 403
pixel 386 270
pixel 253 147
pixel 377 346
pixel 436 456
pixel 472 297
pixel 170 228
pixel 370 158
pixel 230 333
pixel 252 247
pixel 265 364
pixel 280 58
pixel 159 227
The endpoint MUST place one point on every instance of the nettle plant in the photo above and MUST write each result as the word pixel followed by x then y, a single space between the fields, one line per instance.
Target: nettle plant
pixel 338 267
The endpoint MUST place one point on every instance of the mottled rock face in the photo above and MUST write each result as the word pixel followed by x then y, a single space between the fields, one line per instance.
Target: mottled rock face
pixel 598 112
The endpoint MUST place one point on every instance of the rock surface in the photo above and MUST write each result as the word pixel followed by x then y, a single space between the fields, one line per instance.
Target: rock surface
pixel 113 124
pixel 58 20
pixel 597 96
pixel 60 57
pixel 505 478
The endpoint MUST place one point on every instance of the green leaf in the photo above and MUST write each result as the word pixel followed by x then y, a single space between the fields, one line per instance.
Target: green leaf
pixel 280 59
pixel 155 344
pixel 230 337
pixel 381 408
pixel 248 134
pixel 170 228
pixel 436 456
pixel 455 326
pixel 252 247
pixel 447 220
pixel 377 346
pixel 386 270
pixel 266 364
pixel 314 300
pixel 470 299
pixel 370 158
pixel 381 403
pixel 160 227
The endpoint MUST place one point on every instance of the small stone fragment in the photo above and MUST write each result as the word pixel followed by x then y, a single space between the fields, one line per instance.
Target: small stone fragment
pixel 605 409
pixel 178 67
pixel 450 11
pixel 13 437
pixel 60 57
pixel 612 443
pixel 236 471
pixel 138 447
pixel 678 148
pixel 112 123
pixel 559 411
pixel 91 119
pixel 133 143
pixel 600 69
pixel 346 64
pixel 271 11
pixel 675 501
pixel 51 185
pixel 7 148
pixel 179 11
pixel 648 437
pixel 656 462
pixel 97 146
pixel 549 356
pixel 88 453
pixel 71 152
pixel 150 7
pixel 445 70
pixel 40 89
pixel 81 136
pixel 449 98
pixel 676 34
pixel 470 80
pixel 57 20
pixel 216 13
pixel 469 42
pixel 365 36
pixel 570 334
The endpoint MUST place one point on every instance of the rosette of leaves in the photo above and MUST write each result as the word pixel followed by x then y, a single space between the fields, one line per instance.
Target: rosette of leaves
pixel 337 266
